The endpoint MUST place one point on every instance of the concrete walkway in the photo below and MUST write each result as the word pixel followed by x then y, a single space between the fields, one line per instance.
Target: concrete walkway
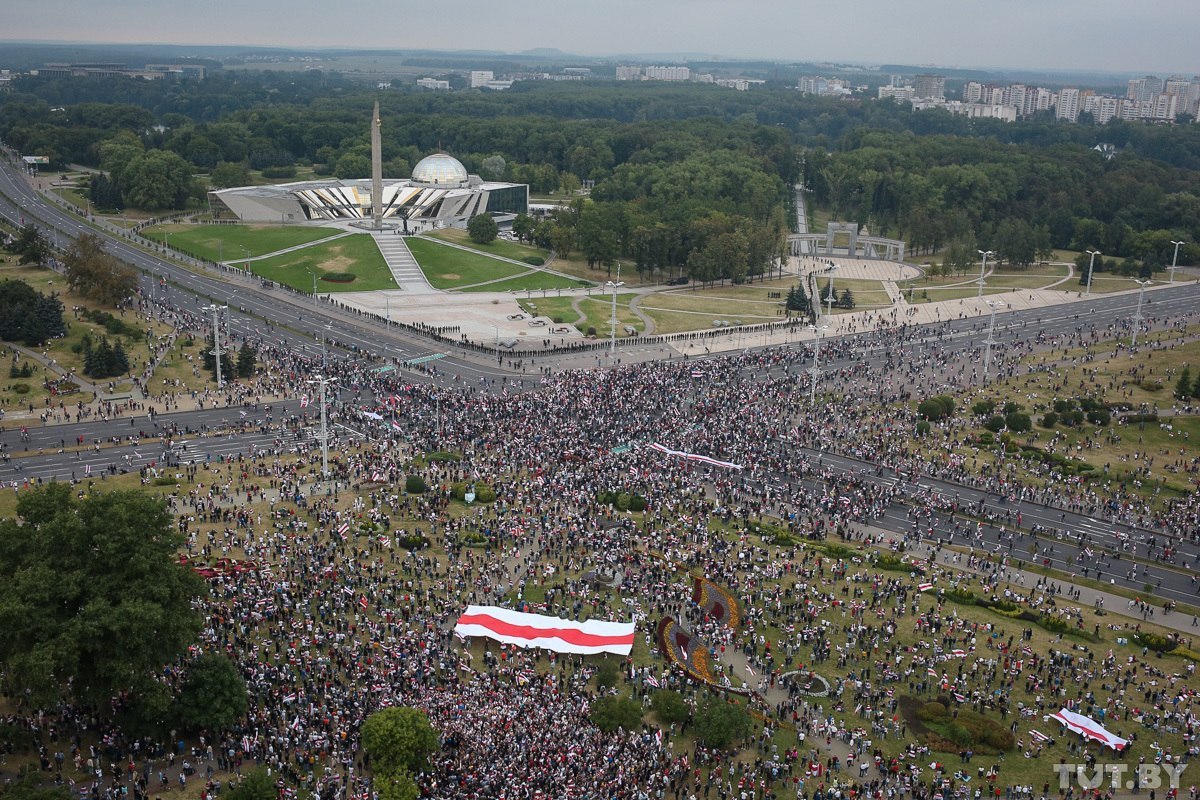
pixel 403 265
pixel 233 262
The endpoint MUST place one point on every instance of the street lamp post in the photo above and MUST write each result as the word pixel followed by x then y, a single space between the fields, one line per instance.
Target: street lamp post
pixel 323 381
pixel 990 341
pixel 216 312
pixel 614 285
pixel 1137 316
pixel 814 371
pixel 1175 258
pixel 1091 261
pixel 983 267
pixel 314 277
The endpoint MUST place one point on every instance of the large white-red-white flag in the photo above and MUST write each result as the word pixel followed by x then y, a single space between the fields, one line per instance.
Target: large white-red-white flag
pixel 550 633
pixel 1089 728
pixel 694 457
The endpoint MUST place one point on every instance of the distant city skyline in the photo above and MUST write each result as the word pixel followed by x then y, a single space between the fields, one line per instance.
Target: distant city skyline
pixel 1154 36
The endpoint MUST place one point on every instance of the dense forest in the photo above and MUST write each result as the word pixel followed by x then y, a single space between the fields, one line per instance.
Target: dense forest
pixel 683 175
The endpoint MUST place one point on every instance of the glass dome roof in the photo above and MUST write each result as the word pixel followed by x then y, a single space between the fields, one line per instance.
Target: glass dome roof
pixel 440 169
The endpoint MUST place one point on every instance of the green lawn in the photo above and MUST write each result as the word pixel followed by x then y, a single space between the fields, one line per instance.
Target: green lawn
pixel 496 247
pixel 534 281
pixel 450 268
pixel 225 242
pixel 356 254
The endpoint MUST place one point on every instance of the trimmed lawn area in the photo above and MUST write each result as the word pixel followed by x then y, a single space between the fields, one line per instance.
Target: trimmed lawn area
pixel 534 281
pixel 225 242
pixel 596 310
pixel 496 247
pixel 355 254
pixel 748 311
pixel 450 268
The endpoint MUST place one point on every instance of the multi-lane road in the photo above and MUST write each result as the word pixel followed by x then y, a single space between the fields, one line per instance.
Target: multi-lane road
pixel 294 321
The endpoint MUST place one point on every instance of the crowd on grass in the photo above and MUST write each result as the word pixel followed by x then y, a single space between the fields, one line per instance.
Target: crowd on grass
pixel 357 583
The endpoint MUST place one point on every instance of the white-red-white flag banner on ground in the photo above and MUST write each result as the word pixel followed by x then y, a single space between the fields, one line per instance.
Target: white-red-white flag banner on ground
pixel 694 457
pixel 550 633
pixel 1088 727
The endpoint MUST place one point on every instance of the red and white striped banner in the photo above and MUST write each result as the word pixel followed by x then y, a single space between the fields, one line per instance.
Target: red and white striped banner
pixel 550 633
pixel 694 457
pixel 924 587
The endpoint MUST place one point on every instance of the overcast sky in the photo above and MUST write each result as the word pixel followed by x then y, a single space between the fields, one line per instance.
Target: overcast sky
pixel 1157 36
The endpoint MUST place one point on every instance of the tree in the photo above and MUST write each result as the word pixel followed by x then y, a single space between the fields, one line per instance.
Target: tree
pixel 846 300
pixel 92 596
pixel 31 245
pixel 482 228
pixel 246 360
pixel 936 408
pixel 227 174
pixel 396 785
pixel 29 786
pixel 719 723
pixel 524 226
pixel 493 167
pixel 27 315
pixel 255 785
pixel 610 713
pixel 797 300
pixel 669 706
pixel 104 193
pixel 95 274
pixel 398 738
pixel 1018 422
pixel 214 695
pixel 157 179
pixel 1183 386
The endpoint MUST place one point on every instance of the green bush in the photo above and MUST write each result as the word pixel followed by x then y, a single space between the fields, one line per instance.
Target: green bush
pixel 1155 642
pixel 534 261
pixel 1099 416
pixel 607 673
pixel 1049 420
pixel 1011 408
pixel 637 503
pixel 987 439
pixel 275 173
pixel 412 541
pixel 961 596
pixel 415 484
pixel 610 713
pixel 338 277
pixel 936 408
pixel 1053 624
pixel 983 408
pixel 1018 422
pixel 923 428
pixel 443 456
pixel 995 423
pixel 21 388
pixel 669 706
pixel 163 480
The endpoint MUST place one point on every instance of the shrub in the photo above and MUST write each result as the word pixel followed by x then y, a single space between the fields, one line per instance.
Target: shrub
pixel 961 596
pixel 1155 642
pixel 923 428
pixel 21 388
pixel 534 261
pixel 607 673
pixel 994 423
pixel 338 277
pixel 591 331
pixel 983 408
pixel 1099 416
pixel 1053 624
pixel 637 503
pixel 1072 418
pixel 164 480
pixel 412 541
pixel 1011 407
pixel 1018 422
pixel 669 706
pixel 610 713
pixel 936 408
pixel 1049 420
pixel 558 320
pixel 443 456
pixel 415 484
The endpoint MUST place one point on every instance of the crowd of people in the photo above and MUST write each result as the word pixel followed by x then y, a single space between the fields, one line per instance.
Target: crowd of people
pixel 357 584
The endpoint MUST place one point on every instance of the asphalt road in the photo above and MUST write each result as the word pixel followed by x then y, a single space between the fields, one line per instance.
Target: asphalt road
pixel 294 321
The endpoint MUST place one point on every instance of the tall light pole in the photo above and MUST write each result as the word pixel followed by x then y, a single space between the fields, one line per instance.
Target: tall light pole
pixel 1175 258
pixel 983 267
pixel 614 285
pixel 216 312
pixel 1137 316
pixel 990 340
pixel 323 436
pixel 387 304
pixel 814 371
pixel 829 297
pixel 1091 261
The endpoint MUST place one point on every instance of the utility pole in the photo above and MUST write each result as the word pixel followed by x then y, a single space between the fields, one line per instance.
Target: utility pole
pixel 1175 258
pixel 983 268
pixel 814 371
pixel 1091 261
pixel 1137 317
pixel 216 351
pixel 323 436
pixel 990 340
pixel 614 285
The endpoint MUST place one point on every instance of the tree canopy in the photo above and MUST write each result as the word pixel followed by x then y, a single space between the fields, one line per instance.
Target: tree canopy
pixel 28 316
pixel 96 274
pixel 92 597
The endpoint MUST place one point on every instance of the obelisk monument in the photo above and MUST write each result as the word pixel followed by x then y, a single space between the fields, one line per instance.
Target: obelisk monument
pixel 376 171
